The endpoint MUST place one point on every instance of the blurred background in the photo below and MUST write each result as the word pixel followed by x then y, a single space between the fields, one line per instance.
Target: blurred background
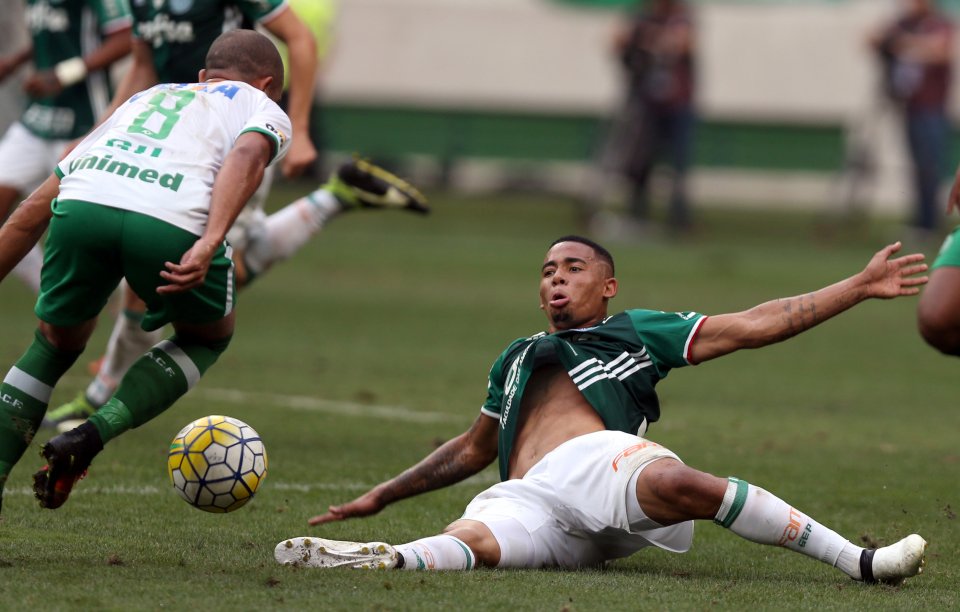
pixel 787 99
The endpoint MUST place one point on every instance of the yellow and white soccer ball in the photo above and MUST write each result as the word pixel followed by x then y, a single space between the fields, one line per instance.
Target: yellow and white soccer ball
pixel 217 463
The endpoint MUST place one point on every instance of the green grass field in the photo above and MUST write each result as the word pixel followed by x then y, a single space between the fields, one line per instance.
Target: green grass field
pixel 372 346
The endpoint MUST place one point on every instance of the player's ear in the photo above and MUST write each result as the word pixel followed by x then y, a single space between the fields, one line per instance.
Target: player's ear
pixel 203 75
pixel 610 287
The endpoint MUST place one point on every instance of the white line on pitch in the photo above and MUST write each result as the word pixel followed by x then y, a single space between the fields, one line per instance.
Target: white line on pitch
pixel 315 404
pixel 145 490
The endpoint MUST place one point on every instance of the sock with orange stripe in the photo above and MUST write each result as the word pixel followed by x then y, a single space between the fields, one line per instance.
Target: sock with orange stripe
pixel 759 516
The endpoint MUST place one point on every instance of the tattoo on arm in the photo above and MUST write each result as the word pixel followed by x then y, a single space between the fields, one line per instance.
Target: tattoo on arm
pixel 454 461
pixel 799 314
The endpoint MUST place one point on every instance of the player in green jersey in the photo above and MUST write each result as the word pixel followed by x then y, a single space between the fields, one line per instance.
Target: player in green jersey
pixel 938 312
pixel 73 42
pixel 170 41
pixel 565 413
pixel 149 195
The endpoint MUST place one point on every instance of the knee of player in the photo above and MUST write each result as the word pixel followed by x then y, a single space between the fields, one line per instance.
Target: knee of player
pixel 687 491
pixel 479 539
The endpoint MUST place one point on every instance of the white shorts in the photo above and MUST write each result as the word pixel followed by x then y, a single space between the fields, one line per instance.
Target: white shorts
pixel 26 160
pixel 577 506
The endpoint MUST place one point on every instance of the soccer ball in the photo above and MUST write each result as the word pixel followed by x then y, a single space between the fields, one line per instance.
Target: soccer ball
pixel 216 463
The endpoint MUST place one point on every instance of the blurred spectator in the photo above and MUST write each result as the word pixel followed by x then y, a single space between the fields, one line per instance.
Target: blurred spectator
pixel 656 50
pixel 915 50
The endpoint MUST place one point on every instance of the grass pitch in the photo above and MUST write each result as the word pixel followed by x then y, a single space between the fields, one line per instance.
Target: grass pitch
pixel 359 356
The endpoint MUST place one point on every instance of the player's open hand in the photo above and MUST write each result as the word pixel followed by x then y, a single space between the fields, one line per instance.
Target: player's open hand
pixel 365 505
pixel 191 271
pixel 889 278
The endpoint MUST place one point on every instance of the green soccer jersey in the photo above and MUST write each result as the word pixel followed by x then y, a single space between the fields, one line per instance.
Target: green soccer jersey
pixel 615 364
pixel 63 29
pixel 181 31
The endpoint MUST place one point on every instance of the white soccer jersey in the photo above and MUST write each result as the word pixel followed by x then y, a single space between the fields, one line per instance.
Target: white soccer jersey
pixel 160 152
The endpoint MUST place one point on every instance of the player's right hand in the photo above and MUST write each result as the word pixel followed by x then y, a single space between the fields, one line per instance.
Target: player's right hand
pixel 192 269
pixel 365 505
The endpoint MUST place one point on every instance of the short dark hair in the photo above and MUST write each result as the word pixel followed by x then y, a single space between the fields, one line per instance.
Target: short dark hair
pixel 248 55
pixel 600 251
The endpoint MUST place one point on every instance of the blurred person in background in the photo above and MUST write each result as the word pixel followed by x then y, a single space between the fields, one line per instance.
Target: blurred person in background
pixel 72 45
pixel 657 52
pixel 916 53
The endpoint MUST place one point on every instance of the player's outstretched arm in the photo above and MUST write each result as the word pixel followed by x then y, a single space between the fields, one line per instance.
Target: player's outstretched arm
pixel 237 180
pixel 784 318
pixel 456 460
pixel 27 223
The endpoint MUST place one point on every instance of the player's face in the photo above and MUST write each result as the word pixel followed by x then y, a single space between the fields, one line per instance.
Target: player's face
pixel 575 285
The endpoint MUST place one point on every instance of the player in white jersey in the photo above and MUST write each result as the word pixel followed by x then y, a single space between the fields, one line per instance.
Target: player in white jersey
pixel 580 485
pixel 260 240
pixel 149 196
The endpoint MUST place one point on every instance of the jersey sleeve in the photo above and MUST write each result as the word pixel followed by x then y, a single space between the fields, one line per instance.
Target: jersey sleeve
pixel 113 15
pixel 262 11
pixel 667 335
pixel 270 120
pixel 491 407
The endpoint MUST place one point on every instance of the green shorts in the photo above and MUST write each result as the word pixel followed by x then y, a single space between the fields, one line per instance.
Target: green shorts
pixel 949 254
pixel 90 247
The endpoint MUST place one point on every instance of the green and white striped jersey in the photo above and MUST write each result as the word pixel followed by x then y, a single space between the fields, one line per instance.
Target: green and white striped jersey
pixel 181 31
pixel 62 29
pixel 615 364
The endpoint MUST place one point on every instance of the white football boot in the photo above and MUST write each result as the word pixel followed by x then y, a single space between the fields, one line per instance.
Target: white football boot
pixel 318 552
pixel 893 564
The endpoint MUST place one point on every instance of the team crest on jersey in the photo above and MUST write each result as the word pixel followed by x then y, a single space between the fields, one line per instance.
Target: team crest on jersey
pixel 180 7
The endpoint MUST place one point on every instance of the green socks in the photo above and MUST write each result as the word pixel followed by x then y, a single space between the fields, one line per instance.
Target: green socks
pixel 24 395
pixel 154 382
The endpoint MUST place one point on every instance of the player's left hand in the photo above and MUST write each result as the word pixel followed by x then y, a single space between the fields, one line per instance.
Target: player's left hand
pixel 42 84
pixel 191 271
pixel 888 278
pixel 302 153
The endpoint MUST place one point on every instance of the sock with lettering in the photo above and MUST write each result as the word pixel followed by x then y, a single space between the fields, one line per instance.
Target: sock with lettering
pixel 154 382
pixel 24 395
pixel 441 552
pixel 759 516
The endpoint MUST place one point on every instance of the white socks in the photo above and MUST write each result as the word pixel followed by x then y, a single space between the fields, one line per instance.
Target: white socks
pixel 759 516
pixel 128 341
pixel 28 270
pixel 442 552
pixel 286 231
